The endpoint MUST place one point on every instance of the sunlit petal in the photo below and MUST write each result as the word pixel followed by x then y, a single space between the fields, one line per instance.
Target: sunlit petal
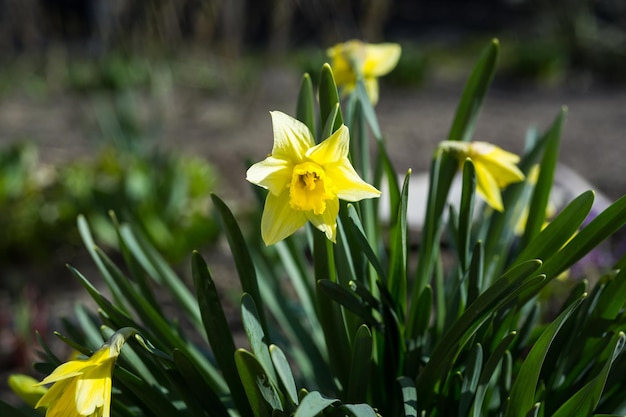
pixel 279 220
pixel 487 187
pixel 291 137
pixel 381 58
pixel 331 150
pixel 271 173
pixel 348 184
pixel 327 221
pixel 371 86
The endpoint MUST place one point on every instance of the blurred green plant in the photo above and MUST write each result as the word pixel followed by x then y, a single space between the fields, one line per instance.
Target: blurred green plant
pixel 165 194
pixel 365 327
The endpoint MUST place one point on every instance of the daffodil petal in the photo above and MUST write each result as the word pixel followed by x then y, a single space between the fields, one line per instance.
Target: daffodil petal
pixel 67 370
pixel 487 187
pixel 271 173
pixel 327 221
pixel 504 172
pixel 62 396
pixel 371 87
pixel 279 220
pixel 331 150
pixel 291 137
pixel 347 183
pixel 91 391
pixel 381 58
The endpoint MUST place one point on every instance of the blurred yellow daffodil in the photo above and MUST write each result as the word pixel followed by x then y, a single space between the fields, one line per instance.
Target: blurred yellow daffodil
pixel 495 168
pixel 26 388
pixel 355 59
pixel 305 181
pixel 82 387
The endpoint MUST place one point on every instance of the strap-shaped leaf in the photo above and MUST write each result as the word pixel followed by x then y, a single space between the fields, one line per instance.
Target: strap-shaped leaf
pixel 305 111
pixel 360 366
pixel 471 378
pixel 256 335
pixel 604 225
pixel 522 396
pixel 359 410
pixel 560 230
pixel 398 251
pixel 487 373
pixel 409 396
pixel 283 370
pixel 241 255
pixel 508 287
pixel 263 395
pixel 474 93
pixel 198 386
pixel 587 398
pixel 541 193
pixel 329 100
pixel 313 404
pixel 217 330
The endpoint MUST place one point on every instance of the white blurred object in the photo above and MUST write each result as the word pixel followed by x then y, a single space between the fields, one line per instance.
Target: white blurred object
pixel 567 185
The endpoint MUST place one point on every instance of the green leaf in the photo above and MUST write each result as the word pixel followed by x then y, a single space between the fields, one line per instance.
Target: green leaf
pixel 241 255
pixel 360 410
pixel 362 241
pixel 612 299
pixel 409 396
pixel 599 229
pixel 305 111
pixel 559 231
pixel 475 91
pixel 345 298
pixel 585 401
pixel 217 330
pixel 505 289
pixel 256 335
pixel 487 374
pixel 541 194
pixel 329 99
pixel 522 396
pixel 263 395
pixel 149 397
pixel 283 370
pixel 398 251
pixel 471 378
pixel 360 366
pixel 197 385
pixel 466 212
pixel 154 264
pixel 313 404
pixel 86 236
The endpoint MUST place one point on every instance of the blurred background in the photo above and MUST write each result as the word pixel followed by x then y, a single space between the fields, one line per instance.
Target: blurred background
pixel 145 107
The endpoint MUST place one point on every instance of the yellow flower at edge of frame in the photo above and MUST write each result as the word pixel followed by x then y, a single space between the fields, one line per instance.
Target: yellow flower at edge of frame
pixel 305 181
pixel 353 59
pixel 82 387
pixel 495 168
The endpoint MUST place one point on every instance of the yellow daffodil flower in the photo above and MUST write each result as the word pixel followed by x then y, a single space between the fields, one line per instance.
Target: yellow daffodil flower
pixel 305 181
pixel 354 59
pixel 83 387
pixel 495 168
